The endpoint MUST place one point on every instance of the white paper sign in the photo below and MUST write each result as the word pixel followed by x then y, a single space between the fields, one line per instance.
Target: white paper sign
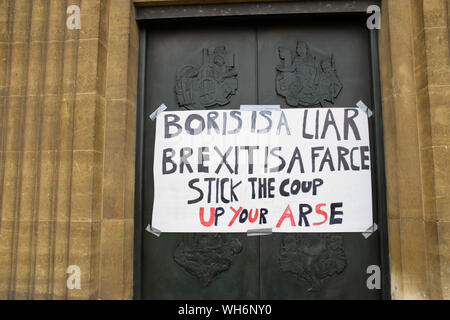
pixel 292 170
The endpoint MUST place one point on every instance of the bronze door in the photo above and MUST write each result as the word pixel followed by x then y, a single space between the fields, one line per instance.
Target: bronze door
pixel 224 63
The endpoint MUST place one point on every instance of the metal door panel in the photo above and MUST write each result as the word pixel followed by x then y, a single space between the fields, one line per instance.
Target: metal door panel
pixel 167 272
pixel 292 266
pixel 262 267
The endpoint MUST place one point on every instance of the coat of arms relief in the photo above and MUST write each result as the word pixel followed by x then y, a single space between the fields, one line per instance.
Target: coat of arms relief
pixel 305 79
pixel 210 84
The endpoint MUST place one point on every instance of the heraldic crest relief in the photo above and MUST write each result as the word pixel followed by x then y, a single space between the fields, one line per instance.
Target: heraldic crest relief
pixel 205 256
pixel 312 257
pixel 306 80
pixel 212 83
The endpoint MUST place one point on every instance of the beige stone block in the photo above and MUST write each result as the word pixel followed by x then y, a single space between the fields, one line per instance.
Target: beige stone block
pixel 6 239
pixel 424 118
pixel 112 260
pixel 84 122
pixel 414 268
pixel 442 178
pixel 444 250
pixel 10 192
pixel 26 208
pixel 128 258
pixel 19 69
pixel 97 206
pixel 87 66
pixel 70 67
pixel 104 22
pixel 119 20
pixel 43 254
pixel 130 158
pixel 428 184
pixel 132 73
pixel 50 121
pixel 39 20
pixel 440 115
pixel 401 47
pixel 100 124
pixel 46 185
pixel 57 20
pixel 435 13
pixel 116 124
pixel 420 62
pixel 433 263
pixel 116 74
pixel 102 69
pixel 3 125
pixel 5 20
pixel 408 157
pixel 22 262
pixel 395 259
pixel 82 186
pixel 114 157
pixel 438 57
pixel 29 134
pixel 15 112
pixel 54 68
pixel 390 151
pixel 21 20
pixel 63 185
pixel 66 122
pixel 113 185
pixel 417 16
pixel 90 18
pixel 4 68
pixel 95 271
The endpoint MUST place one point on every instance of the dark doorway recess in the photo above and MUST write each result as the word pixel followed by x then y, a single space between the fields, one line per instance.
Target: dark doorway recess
pixel 246 54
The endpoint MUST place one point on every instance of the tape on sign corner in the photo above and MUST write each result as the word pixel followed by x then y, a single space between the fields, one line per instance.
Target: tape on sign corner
pixel 259 232
pixel 259 107
pixel 156 113
pixel 364 108
pixel 153 231
pixel 366 234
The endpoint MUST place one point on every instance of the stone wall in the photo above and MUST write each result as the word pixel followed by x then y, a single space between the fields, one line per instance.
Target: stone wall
pixel 415 75
pixel 67 117
pixel 67 140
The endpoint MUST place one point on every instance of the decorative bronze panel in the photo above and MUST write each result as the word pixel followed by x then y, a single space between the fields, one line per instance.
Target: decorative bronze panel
pixel 306 80
pixel 205 256
pixel 212 83
pixel 312 257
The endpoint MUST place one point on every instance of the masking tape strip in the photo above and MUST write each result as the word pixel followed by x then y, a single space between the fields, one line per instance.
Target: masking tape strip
pixel 366 234
pixel 152 230
pixel 262 107
pixel 364 108
pixel 259 232
pixel 160 109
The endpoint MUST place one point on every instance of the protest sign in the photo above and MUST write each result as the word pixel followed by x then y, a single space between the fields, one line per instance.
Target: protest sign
pixel 292 170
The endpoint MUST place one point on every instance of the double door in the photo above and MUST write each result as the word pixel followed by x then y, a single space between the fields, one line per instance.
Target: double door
pixel 225 63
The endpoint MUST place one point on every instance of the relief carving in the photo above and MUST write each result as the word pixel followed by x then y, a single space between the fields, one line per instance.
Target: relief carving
pixel 205 256
pixel 211 84
pixel 305 80
pixel 312 257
